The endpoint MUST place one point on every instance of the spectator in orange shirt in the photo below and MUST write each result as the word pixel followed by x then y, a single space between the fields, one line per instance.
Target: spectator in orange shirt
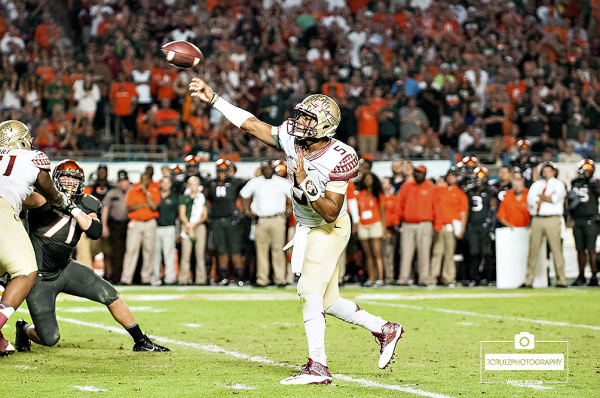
pixel 332 87
pixel 142 204
pixel 391 235
pixel 46 33
pixel 166 120
pixel 513 211
pixel 417 211
pixel 368 126
pixel 371 207
pixel 454 207
pixel 123 98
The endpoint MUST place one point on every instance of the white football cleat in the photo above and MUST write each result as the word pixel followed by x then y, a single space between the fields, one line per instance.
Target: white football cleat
pixel 388 338
pixel 311 373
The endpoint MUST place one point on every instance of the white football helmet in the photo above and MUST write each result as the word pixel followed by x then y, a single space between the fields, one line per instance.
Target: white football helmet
pixel 317 116
pixel 15 135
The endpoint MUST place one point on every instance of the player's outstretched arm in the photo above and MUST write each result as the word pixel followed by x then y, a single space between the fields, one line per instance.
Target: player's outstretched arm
pixel 46 187
pixel 237 116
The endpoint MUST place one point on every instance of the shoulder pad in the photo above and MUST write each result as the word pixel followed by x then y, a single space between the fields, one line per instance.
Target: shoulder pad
pixel 346 168
pixel 90 204
pixel 41 161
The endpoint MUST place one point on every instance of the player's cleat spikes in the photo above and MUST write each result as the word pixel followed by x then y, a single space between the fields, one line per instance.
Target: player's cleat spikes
pixel 388 338
pixel 311 373
pixel 5 347
pixel 148 345
pixel 22 342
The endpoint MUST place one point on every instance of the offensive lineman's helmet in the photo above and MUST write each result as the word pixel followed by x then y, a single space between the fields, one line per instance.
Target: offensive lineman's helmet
pixel 324 115
pixel 15 135
pixel 586 168
pixel 73 185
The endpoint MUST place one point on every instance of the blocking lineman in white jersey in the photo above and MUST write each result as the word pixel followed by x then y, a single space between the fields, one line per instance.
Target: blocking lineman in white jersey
pixel 320 167
pixel 21 169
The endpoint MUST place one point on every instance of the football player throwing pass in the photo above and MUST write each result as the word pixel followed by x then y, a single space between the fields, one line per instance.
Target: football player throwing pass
pixel 319 167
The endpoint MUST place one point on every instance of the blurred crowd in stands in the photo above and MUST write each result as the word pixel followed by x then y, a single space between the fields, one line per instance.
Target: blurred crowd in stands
pixel 414 79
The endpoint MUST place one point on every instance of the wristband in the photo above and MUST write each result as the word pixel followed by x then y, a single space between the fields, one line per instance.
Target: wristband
pixel 237 116
pixel 213 99
pixel 310 189
pixel 76 211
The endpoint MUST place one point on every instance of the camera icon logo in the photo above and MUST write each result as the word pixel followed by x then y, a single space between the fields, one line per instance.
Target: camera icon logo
pixel 524 341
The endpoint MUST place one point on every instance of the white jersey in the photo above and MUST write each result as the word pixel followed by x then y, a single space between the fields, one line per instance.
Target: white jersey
pixel 335 162
pixel 19 169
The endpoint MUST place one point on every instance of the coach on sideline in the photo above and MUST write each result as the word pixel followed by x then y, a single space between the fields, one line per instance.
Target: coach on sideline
pixel 546 205
pixel 268 198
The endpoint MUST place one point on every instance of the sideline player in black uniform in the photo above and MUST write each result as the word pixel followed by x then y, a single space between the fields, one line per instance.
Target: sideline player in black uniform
pixel 225 217
pixel 482 207
pixel 54 236
pixel 526 163
pixel 583 207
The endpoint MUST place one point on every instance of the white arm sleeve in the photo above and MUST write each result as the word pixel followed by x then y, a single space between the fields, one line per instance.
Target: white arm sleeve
pixel 237 116
pixel 353 209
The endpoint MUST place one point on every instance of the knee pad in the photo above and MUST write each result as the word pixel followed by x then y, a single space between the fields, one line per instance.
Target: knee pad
pixel 107 294
pixel 48 337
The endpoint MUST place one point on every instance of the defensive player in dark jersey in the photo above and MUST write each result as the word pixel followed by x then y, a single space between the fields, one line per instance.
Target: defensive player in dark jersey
pixel 482 207
pixel 526 163
pixel 54 235
pixel 583 208
pixel 465 171
pixel 225 217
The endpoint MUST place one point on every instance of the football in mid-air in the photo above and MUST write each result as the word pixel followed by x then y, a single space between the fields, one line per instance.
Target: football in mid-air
pixel 182 54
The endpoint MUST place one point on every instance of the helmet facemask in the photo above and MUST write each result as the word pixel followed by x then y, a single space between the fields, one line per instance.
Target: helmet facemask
pixel 69 178
pixel 304 124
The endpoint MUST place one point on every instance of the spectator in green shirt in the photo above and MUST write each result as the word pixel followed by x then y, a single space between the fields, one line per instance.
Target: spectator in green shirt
pixel 168 211
pixel 56 92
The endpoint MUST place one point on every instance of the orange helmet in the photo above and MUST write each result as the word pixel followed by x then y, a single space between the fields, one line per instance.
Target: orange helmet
pixel 192 159
pixel 280 168
pixel 175 168
pixel 73 184
pixel 481 173
pixel 223 165
pixel 470 161
pixel 586 168
pixel 192 164
pixel 524 146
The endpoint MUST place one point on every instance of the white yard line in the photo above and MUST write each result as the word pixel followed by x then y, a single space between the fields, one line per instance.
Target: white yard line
pixel 492 316
pixel 401 296
pixel 235 354
pixel 89 388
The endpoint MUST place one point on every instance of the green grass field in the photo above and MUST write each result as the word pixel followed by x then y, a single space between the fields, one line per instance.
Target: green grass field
pixel 243 341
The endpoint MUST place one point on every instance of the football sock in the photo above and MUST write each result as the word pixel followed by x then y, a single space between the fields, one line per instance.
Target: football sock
pixel 5 312
pixel 349 311
pixel 223 273
pixel 239 273
pixel 135 332
pixel 314 325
